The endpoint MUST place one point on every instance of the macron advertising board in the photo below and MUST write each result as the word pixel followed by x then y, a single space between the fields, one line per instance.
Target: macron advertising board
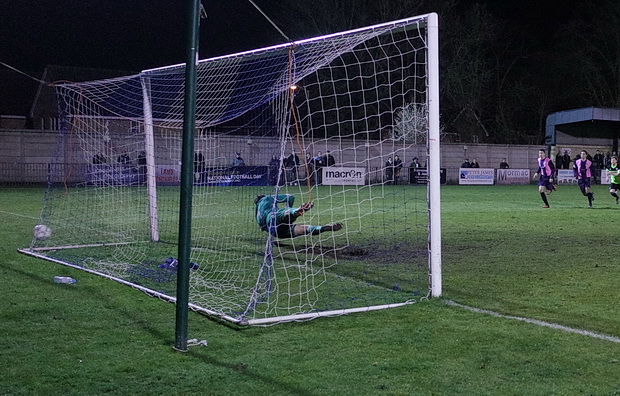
pixel 476 175
pixel 343 176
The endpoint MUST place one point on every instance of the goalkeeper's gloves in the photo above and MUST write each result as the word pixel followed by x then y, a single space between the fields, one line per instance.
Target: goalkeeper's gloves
pixel 304 208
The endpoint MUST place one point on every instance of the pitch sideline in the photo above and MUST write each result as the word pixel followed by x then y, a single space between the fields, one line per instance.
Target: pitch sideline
pixel 536 322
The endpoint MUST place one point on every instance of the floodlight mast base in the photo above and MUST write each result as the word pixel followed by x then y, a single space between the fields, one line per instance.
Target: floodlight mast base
pixel 187 178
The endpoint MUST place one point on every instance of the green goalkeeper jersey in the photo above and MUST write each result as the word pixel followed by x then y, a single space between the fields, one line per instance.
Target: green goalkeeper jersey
pixel 265 210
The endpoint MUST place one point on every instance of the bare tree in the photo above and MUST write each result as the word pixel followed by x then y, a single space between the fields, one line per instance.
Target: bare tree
pixel 595 53
pixel 467 72
pixel 304 19
pixel 482 93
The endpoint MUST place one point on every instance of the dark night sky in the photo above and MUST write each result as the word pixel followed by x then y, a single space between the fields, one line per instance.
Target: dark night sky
pixel 120 34
pixel 125 35
pixel 134 35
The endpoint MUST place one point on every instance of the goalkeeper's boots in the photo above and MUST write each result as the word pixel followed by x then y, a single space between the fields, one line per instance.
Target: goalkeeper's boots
pixel 332 227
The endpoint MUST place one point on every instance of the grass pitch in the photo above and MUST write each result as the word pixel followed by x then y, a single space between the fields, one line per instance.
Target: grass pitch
pixel 379 258
pixel 501 252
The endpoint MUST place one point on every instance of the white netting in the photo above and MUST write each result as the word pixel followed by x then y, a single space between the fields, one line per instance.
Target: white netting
pixel 335 102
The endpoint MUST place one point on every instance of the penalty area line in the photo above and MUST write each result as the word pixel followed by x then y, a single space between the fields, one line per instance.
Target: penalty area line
pixel 18 215
pixel 536 322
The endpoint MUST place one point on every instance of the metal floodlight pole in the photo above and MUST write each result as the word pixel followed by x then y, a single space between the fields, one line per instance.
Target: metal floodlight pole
pixel 187 177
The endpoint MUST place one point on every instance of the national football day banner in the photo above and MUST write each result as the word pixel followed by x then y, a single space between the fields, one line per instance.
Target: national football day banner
pixel 513 176
pixel 170 175
pixel 476 175
pixel 343 176
pixel 234 176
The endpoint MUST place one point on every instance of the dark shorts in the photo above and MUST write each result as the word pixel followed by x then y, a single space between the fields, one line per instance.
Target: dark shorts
pixel 583 183
pixel 545 181
pixel 613 186
pixel 283 231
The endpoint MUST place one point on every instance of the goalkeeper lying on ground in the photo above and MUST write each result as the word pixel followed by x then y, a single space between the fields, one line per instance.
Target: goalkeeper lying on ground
pixel 279 222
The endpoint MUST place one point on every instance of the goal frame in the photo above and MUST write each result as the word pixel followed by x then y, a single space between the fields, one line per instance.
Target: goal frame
pixel 433 189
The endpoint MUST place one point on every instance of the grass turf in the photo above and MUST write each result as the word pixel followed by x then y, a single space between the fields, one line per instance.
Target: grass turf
pixel 501 251
pixel 380 259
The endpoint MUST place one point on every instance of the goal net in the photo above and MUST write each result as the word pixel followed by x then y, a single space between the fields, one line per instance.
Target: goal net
pixel 333 121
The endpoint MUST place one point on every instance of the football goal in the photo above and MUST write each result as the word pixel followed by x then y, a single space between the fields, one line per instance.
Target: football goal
pixel 303 202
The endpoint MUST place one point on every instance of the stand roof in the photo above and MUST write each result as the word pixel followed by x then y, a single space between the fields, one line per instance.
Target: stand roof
pixel 592 122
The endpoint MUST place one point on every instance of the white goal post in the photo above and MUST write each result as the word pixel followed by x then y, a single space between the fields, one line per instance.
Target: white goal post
pixel 434 155
pixel 315 121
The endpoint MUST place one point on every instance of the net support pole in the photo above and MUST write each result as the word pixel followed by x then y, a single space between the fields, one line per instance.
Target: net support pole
pixel 149 145
pixel 187 177
pixel 434 170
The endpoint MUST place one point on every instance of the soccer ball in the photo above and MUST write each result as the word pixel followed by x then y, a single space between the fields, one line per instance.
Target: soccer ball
pixel 42 232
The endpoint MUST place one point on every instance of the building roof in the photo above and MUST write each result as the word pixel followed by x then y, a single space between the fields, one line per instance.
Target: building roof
pixel 593 122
